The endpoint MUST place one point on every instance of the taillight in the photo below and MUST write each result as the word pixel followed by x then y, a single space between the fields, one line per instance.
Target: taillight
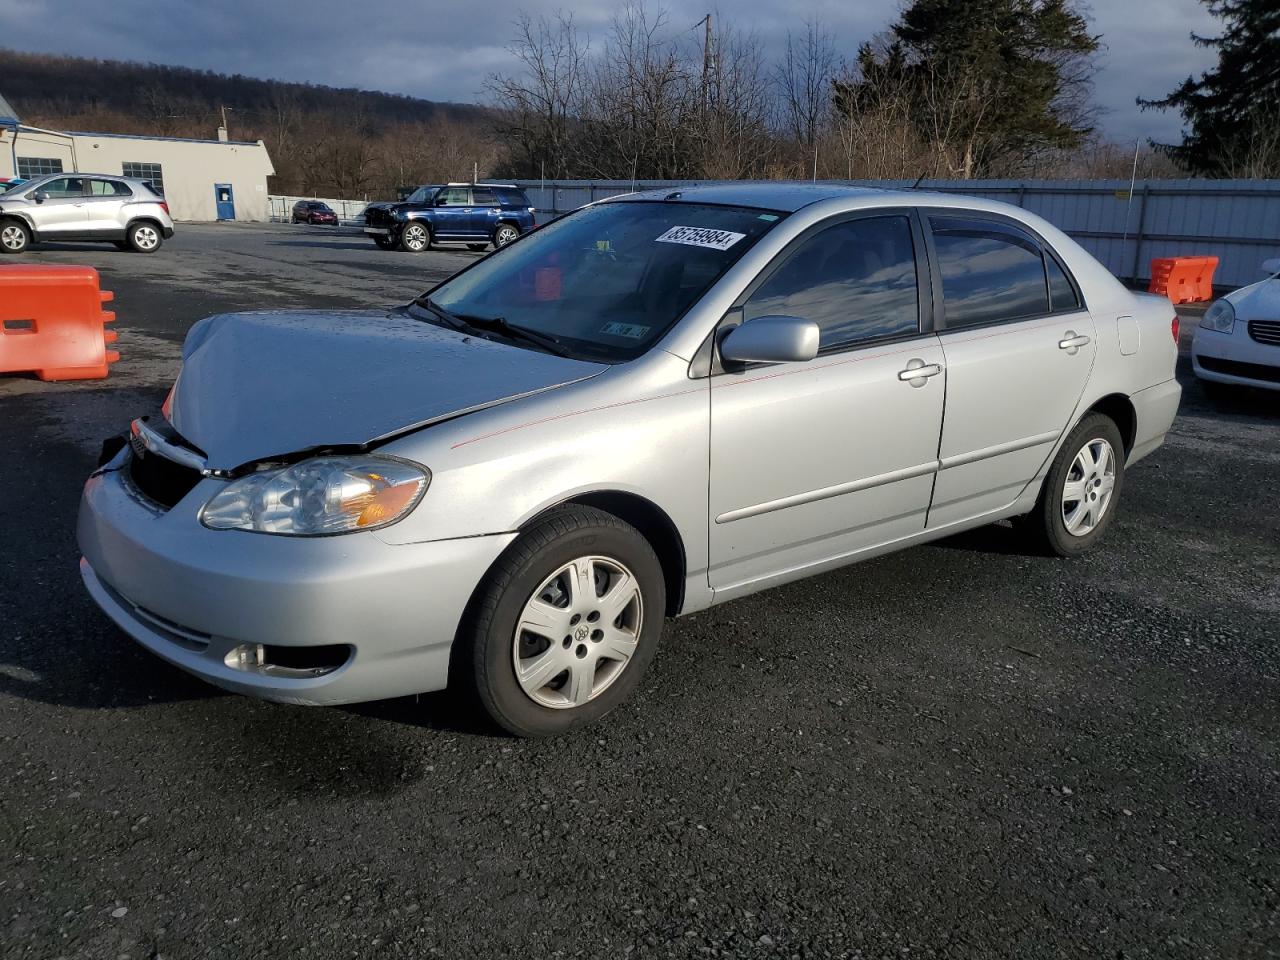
pixel 1174 327
pixel 164 205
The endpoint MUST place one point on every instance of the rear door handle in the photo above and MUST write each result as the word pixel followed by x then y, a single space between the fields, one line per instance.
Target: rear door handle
pixel 918 372
pixel 1072 342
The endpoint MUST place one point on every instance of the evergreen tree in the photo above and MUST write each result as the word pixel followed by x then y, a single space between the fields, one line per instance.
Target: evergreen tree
pixel 1233 110
pixel 992 83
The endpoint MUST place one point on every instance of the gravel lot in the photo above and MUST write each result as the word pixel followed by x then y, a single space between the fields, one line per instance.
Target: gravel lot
pixel 957 751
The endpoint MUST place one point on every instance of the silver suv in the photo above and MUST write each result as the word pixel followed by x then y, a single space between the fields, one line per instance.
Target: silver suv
pixel 84 206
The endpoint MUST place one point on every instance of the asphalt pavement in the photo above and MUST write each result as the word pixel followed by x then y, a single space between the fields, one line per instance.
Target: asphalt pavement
pixel 957 751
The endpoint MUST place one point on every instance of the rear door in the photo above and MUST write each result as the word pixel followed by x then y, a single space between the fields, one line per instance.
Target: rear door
pixel 63 210
pixel 1019 347
pixel 105 205
pixel 812 462
pixel 484 211
pixel 452 215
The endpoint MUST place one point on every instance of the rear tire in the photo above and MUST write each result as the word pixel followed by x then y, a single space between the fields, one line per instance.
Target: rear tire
pixel 504 234
pixel 415 237
pixel 14 236
pixel 565 576
pixel 145 237
pixel 1081 492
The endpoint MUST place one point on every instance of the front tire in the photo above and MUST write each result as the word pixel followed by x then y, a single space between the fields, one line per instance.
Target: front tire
pixel 145 238
pixel 1081 492
pixel 565 624
pixel 14 236
pixel 415 237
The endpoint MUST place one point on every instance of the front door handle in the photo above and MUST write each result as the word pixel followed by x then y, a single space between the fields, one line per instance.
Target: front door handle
pixel 918 372
pixel 1072 342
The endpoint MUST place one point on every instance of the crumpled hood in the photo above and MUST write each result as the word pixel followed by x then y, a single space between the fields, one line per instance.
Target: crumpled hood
pixel 1260 301
pixel 261 385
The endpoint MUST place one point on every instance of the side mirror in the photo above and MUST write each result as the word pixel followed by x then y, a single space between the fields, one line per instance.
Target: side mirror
pixel 441 202
pixel 1271 267
pixel 771 340
pixel 40 196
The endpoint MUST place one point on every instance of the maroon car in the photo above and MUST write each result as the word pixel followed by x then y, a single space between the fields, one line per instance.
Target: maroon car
pixel 314 211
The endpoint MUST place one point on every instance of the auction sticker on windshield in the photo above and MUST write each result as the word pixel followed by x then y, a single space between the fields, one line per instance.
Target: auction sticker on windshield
pixel 701 237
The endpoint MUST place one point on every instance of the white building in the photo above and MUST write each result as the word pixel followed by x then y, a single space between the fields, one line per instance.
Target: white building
pixel 201 179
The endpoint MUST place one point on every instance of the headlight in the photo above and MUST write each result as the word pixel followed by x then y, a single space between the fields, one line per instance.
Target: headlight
pixel 1221 317
pixel 324 495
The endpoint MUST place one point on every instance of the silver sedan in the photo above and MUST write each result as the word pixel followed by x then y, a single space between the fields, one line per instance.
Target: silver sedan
pixel 655 404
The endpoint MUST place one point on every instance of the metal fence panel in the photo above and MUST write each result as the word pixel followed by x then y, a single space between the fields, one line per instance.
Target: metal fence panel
pixel 1236 220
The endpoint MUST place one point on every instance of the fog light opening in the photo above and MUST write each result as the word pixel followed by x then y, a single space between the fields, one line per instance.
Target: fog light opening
pixel 295 662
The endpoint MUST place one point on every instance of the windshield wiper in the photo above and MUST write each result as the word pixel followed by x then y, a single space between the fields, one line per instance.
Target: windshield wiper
pixel 455 322
pixel 505 327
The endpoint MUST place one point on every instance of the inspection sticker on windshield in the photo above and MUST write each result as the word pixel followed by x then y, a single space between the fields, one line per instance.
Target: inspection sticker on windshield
pixel 632 330
pixel 701 237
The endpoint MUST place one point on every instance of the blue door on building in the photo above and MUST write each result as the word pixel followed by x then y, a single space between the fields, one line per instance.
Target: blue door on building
pixel 226 201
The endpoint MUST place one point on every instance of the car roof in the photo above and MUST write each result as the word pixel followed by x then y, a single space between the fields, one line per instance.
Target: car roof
pixel 784 195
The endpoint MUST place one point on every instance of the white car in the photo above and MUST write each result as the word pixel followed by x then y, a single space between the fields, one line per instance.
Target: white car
pixel 1238 340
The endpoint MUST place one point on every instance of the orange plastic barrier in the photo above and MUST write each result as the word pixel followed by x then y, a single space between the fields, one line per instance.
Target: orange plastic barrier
pixel 1183 279
pixel 51 322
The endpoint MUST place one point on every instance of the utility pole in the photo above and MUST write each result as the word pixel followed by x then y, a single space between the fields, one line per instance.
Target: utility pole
pixel 706 60
pixel 224 121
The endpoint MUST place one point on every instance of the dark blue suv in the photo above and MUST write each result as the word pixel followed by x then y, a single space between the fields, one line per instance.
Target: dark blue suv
pixel 476 214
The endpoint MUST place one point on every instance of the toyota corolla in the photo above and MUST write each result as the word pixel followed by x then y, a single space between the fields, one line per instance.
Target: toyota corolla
pixel 655 404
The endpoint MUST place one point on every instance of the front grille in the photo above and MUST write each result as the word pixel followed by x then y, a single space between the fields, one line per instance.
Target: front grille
pixel 158 479
pixel 378 217
pixel 1233 368
pixel 1265 331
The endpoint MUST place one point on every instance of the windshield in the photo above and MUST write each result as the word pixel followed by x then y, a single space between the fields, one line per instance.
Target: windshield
pixel 609 280
pixel 420 195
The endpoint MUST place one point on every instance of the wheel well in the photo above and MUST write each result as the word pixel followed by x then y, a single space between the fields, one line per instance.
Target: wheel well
pixel 507 222
pixel 654 525
pixel 1120 409
pixel 137 220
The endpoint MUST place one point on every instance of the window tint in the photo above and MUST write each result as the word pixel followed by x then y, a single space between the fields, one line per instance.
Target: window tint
pixel 856 280
pixel 512 198
pixel 989 271
pixel 454 197
pixel 64 187
pixel 108 188
pixel 1062 296
pixel 484 197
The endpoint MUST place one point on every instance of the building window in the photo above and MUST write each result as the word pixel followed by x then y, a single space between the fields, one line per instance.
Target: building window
pixel 30 167
pixel 149 172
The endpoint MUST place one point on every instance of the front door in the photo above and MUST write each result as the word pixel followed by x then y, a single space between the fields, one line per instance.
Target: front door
pixel 63 210
pixel 225 199
pixel 1019 347
pixel 813 462
pixel 452 213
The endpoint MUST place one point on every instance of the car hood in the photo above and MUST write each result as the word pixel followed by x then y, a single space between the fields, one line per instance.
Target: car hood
pixel 255 386
pixel 1259 301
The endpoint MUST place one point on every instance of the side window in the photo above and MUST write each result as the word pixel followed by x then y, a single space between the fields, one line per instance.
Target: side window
pixel 453 197
pixel 108 188
pixel 855 280
pixel 1062 295
pixel 64 187
pixel 484 197
pixel 990 271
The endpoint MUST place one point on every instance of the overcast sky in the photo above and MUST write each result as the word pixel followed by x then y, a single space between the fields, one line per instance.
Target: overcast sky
pixel 444 51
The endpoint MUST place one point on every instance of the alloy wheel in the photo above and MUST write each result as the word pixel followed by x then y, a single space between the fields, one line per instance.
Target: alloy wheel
pixel 505 236
pixel 578 632
pixel 414 237
pixel 1087 490
pixel 13 237
pixel 146 238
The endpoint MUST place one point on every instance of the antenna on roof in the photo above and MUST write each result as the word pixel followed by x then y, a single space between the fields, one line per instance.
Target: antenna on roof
pixel 919 180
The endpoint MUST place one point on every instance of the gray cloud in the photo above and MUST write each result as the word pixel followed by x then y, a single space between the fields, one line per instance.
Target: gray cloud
pixel 445 51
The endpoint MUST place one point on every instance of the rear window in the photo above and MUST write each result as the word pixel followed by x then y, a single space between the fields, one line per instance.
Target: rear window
pixel 990 272
pixel 511 197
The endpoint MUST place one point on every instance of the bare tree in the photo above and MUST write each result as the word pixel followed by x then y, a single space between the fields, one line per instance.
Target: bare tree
pixel 803 79
pixel 541 103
